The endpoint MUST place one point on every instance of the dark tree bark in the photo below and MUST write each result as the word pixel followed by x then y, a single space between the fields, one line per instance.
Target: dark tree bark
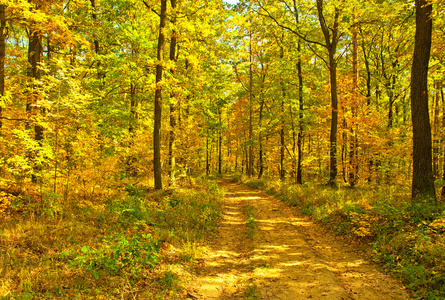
pixel 158 99
pixel 133 108
pixel 331 35
pixel 219 142
pixel 299 175
pixel 2 57
pixel 132 125
pixel 368 71
pixel 250 169
pixel 33 72
pixel 368 95
pixel 422 181
pixel 442 193
pixel 300 122
pixel 94 16
pixel 353 153
pixel 100 74
pixel 436 131
pixel 207 156
pixel 260 139
pixel 282 140
pixel 173 101
pixel 260 122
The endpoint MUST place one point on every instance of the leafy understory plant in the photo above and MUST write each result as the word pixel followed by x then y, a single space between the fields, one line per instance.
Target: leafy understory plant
pixel 250 222
pixel 117 253
pixel 406 238
pixel 251 292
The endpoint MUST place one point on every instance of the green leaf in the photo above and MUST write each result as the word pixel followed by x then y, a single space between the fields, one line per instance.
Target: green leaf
pixel 95 274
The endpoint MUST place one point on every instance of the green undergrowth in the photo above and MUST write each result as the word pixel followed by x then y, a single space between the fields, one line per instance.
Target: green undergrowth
pixel 123 247
pixel 407 239
pixel 251 292
pixel 251 223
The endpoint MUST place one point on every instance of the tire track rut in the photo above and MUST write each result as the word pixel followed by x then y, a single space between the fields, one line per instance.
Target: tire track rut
pixel 288 257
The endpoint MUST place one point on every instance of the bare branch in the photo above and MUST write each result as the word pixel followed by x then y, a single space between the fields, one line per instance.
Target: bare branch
pixel 287 27
pixel 319 56
pixel 12 119
pixel 237 77
pixel 150 9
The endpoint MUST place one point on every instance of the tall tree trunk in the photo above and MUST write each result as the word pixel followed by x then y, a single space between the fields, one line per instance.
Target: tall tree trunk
pixel 207 156
pixel 423 182
pixel 353 165
pixel 331 38
pixel 282 140
pixel 158 100
pixel 94 16
pixel 132 123
pixel 2 58
pixel 236 156
pixel 368 71
pixel 436 131
pixel 100 74
pixel 250 169
pixel 219 143
pixel 442 193
pixel 344 145
pixel 368 96
pixel 299 174
pixel 334 118
pixel 300 123
pixel 133 108
pixel 32 105
pixel 260 138
pixel 390 107
pixel 173 101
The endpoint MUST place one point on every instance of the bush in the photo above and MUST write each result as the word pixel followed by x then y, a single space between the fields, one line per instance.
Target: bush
pixel 117 252
pixel 92 249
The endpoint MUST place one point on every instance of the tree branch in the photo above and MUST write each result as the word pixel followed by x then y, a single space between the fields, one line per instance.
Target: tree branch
pixel 319 56
pixel 237 77
pixel 12 119
pixel 287 27
pixel 151 9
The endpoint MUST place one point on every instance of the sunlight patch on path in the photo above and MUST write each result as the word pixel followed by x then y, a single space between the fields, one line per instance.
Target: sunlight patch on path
pixel 288 257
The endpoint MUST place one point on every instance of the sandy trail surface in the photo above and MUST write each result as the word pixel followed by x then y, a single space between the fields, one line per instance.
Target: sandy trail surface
pixel 284 256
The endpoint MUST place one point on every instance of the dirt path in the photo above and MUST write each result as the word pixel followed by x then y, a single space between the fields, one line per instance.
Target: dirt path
pixel 286 257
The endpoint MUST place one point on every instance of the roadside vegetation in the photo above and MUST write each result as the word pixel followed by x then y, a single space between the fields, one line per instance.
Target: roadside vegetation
pixel 407 239
pixel 131 243
pixel 251 223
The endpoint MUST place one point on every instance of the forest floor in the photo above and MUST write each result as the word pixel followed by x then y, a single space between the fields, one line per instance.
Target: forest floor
pixel 265 249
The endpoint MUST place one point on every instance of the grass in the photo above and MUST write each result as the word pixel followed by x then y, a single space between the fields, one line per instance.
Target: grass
pixel 124 246
pixel 408 240
pixel 251 292
pixel 250 222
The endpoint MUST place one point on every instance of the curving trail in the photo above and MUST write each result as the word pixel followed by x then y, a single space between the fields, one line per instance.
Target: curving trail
pixel 287 257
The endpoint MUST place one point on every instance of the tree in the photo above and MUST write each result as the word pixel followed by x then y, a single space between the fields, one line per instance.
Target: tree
pixel 353 152
pixel 158 99
pixel 422 180
pixel 2 57
pixel 299 169
pixel 173 100
pixel 33 107
pixel 331 36
pixel 250 169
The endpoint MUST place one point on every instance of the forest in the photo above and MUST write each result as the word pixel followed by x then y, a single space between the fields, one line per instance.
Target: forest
pixel 125 125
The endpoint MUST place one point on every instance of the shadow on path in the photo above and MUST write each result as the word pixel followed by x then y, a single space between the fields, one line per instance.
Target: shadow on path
pixel 288 257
